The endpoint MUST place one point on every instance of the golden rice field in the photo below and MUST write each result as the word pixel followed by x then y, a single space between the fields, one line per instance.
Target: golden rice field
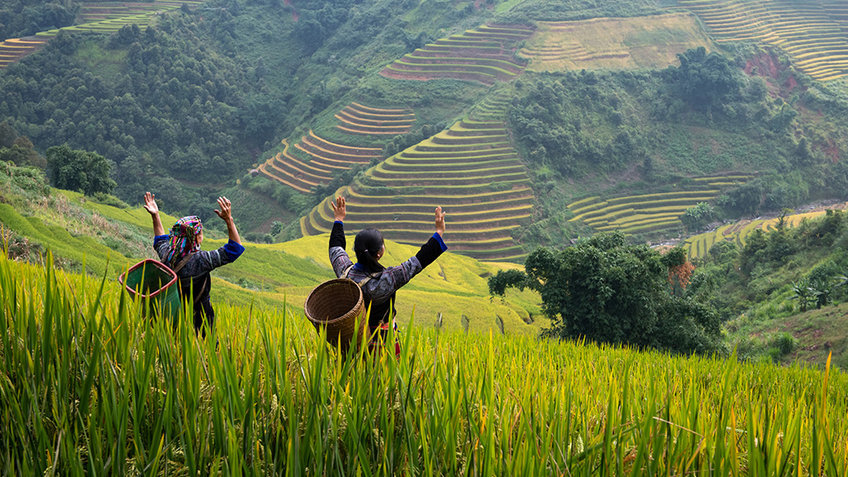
pixel 618 43
pixel 654 212
pixel 811 33
pixel 87 386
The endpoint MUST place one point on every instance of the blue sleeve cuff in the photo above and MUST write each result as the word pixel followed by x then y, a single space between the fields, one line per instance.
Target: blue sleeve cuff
pixel 159 238
pixel 234 249
pixel 441 242
pixel 339 222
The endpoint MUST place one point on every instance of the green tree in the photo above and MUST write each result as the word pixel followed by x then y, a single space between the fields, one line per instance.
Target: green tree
pixel 608 291
pixel 7 134
pixel 704 80
pixel 84 171
pixel 698 216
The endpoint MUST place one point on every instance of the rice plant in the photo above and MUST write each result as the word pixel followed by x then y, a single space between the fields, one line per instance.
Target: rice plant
pixel 90 386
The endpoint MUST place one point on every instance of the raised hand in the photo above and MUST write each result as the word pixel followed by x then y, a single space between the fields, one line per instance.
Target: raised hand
pixel 226 212
pixel 440 221
pixel 150 203
pixel 339 208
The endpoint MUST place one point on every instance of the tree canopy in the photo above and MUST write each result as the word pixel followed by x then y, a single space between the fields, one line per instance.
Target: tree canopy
pixel 609 291
pixel 84 171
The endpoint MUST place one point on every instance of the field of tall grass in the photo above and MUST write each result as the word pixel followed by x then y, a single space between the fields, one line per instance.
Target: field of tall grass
pixel 88 386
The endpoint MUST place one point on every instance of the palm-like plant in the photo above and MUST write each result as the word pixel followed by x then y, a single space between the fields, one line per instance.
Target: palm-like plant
pixel 804 293
pixel 822 291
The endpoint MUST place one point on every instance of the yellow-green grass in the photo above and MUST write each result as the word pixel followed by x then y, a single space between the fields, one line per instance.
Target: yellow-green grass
pixel 661 225
pixel 385 111
pixel 455 190
pixel 353 119
pixel 303 170
pixel 428 294
pixel 500 65
pixel 468 172
pixel 660 205
pixel 424 215
pixel 660 219
pixel 595 202
pixel 353 151
pixel 135 216
pixel 619 43
pixel 416 198
pixel 638 218
pixel 265 274
pixel 370 130
pixel 88 379
pixel 813 38
pixel 475 55
pixel 697 194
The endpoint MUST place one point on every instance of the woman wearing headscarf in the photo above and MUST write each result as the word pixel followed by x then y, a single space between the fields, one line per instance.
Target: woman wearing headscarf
pixel 180 250
pixel 378 283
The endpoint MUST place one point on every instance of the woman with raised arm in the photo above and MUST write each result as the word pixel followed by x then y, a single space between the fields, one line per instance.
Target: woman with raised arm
pixel 379 284
pixel 180 250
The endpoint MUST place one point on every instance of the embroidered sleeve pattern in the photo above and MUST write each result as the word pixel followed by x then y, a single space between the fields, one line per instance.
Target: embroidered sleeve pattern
pixel 338 257
pixel 392 278
pixel 162 247
pixel 339 260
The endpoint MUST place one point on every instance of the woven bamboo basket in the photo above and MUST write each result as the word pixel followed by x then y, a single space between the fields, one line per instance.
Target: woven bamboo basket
pixel 335 305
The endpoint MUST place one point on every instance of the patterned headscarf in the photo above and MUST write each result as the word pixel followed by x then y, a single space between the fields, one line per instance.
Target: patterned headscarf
pixel 183 238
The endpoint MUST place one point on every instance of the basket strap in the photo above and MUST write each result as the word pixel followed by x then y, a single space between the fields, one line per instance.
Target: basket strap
pixel 362 283
pixel 183 262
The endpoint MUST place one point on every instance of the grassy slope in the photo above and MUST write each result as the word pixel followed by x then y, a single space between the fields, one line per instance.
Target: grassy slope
pixel 818 333
pixel 454 286
pixel 108 239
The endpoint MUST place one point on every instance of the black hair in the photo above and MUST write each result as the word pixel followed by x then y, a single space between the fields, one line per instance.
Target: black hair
pixel 367 245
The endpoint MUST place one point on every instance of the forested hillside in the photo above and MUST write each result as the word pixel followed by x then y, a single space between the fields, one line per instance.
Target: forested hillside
pixel 522 118
pixel 27 17
pixel 187 105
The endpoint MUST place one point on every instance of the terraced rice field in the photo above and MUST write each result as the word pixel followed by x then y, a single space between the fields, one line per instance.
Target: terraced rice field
pixel 493 107
pixel 699 245
pixel 98 17
pixel 470 169
pixel 14 49
pixel 320 160
pixel 814 34
pixel 99 11
pixel 357 118
pixel 484 55
pixel 659 212
pixel 621 43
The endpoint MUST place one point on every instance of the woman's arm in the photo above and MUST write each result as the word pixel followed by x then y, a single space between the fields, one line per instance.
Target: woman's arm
pixel 226 214
pixel 338 257
pixel 434 247
pixel 153 209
